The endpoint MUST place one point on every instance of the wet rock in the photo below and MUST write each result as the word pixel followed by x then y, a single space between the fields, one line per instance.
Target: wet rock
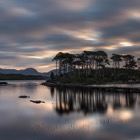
pixel 37 101
pixel 3 83
pixel 24 96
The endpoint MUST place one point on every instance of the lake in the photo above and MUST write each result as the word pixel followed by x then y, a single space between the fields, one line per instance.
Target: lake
pixel 67 113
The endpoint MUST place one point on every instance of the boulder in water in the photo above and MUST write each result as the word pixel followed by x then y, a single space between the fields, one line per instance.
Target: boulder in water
pixel 37 101
pixel 24 96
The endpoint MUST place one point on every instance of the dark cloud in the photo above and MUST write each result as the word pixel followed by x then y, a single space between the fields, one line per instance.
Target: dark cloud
pixel 135 39
pixel 7 57
pixel 125 30
pixel 128 49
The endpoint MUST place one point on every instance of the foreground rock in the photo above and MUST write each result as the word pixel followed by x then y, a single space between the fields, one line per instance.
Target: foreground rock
pixel 3 83
pixel 37 101
pixel 24 96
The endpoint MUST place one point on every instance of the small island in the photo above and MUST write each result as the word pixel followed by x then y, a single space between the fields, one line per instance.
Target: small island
pixel 94 68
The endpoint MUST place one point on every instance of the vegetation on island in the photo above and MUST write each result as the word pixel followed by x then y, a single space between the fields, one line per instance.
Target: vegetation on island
pixel 95 67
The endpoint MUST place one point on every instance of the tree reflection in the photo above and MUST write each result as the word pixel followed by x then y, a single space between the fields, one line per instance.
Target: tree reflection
pixel 130 100
pixel 90 101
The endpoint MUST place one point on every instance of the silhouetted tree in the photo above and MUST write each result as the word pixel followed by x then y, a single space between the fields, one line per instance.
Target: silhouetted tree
pixel 130 62
pixel 116 58
pixel 138 62
pixel 52 76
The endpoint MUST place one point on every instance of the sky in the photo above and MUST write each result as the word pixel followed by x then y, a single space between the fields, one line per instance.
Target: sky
pixel 32 32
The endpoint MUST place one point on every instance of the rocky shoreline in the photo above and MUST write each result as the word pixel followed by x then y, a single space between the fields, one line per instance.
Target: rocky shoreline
pixel 96 87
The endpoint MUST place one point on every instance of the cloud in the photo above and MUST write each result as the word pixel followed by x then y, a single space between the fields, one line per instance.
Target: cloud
pixel 124 30
pixel 36 27
pixel 128 50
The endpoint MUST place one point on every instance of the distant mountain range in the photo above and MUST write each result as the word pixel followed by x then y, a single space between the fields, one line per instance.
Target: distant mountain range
pixel 28 71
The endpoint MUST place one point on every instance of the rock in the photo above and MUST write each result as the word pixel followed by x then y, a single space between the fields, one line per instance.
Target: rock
pixel 3 83
pixel 24 96
pixel 37 101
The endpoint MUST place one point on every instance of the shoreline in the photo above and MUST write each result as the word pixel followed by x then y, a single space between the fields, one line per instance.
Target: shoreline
pixel 106 87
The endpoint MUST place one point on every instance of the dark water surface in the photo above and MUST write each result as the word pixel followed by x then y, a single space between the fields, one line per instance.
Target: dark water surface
pixel 67 114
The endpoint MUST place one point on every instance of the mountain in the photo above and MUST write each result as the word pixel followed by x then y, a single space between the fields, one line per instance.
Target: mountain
pixel 28 71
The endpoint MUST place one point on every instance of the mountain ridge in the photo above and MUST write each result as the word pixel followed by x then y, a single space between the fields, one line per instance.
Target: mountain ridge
pixel 27 71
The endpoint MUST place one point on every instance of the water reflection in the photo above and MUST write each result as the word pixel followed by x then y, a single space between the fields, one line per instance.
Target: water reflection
pixel 67 113
pixel 88 101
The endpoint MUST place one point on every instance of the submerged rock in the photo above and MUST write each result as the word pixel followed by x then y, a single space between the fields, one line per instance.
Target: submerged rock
pixel 24 96
pixel 37 101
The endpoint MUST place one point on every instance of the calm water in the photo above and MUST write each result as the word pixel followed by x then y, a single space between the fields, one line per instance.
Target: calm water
pixel 67 114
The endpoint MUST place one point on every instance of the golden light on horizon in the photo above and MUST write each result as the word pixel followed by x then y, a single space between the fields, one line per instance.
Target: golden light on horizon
pixel 111 47
pixel 91 35
pixel 126 43
pixel 46 68
pixel 35 57
pixel 90 39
